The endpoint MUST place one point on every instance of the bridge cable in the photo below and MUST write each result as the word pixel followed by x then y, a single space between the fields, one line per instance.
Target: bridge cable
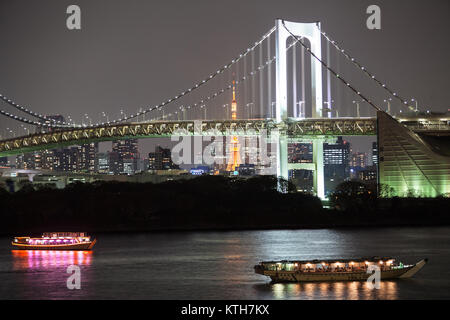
pixel 182 94
pixel 65 125
pixel 229 87
pixel 199 84
pixel 30 112
pixel 28 121
pixel 239 81
pixel 364 69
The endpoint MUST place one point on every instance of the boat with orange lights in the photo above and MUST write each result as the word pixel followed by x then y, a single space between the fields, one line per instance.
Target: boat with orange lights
pixel 55 241
pixel 336 270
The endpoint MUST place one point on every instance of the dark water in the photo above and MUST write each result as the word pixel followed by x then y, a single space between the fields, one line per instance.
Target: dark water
pixel 218 265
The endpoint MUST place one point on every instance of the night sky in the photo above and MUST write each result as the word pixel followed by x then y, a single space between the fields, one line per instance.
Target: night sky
pixel 133 53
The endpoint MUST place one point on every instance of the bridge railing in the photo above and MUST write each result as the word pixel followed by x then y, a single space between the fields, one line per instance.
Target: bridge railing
pixel 291 127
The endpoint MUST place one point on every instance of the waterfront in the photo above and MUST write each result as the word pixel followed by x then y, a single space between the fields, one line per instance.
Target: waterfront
pixel 219 265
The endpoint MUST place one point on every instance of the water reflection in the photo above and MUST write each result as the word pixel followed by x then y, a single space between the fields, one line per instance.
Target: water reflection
pixel 43 274
pixel 213 265
pixel 352 290
pixel 42 259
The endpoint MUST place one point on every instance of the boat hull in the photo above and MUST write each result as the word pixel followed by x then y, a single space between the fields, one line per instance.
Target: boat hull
pixel 75 246
pixel 296 276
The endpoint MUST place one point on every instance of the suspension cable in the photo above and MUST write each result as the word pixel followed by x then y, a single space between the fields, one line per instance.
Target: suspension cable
pixel 223 90
pixel 364 69
pixel 241 80
pixel 27 121
pixel 163 104
pixel 210 97
pixel 30 112
pixel 199 84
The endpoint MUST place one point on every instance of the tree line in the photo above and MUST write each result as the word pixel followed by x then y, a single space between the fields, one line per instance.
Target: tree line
pixel 205 203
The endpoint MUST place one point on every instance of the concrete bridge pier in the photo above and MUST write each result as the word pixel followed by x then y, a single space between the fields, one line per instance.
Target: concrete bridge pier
pixel 316 165
pixel 319 178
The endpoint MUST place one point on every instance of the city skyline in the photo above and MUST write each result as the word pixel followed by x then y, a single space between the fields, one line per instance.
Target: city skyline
pixel 115 96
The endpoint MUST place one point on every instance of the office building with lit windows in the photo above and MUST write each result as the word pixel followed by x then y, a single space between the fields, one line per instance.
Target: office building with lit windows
pixel 161 159
pixel 336 163
pixel 124 156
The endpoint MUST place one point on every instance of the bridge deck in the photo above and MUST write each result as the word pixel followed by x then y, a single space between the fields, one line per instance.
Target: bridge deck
pixel 292 128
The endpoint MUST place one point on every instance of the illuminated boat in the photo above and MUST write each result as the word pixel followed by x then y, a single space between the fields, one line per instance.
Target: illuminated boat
pixel 55 241
pixel 336 270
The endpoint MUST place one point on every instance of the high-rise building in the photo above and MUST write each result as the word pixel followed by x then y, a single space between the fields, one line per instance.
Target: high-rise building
pixel 124 151
pixel 75 159
pixel 115 164
pixel 88 159
pixel 336 153
pixel 357 163
pixel 48 159
pixel 44 160
pixel 103 163
pixel 29 161
pixel 336 163
pixel 358 160
pixel 61 159
pixel 161 159
pixel 368 175
pixel 20 161
pixel 374 153
pixel 126 148
pixel 129 166
pixel 300 152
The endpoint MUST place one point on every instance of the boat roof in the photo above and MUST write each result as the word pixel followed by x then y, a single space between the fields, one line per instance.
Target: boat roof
pixel 316 261
pixel 64 234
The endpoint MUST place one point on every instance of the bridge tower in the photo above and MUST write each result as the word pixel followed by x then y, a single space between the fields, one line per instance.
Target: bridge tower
pixel 312 33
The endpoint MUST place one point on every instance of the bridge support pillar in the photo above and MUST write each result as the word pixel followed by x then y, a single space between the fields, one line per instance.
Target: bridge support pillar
pixel 282 156
pixel 317 164
pixel 319 177
pixel 312 33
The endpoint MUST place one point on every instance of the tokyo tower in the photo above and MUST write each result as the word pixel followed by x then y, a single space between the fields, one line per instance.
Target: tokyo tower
pixel 235 158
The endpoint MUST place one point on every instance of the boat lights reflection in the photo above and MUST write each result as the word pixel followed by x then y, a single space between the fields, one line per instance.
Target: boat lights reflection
pixel 351 290
pixel 25 259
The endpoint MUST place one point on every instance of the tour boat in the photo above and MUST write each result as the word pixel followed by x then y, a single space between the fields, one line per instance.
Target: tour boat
pixel 336 270
pixel 55 241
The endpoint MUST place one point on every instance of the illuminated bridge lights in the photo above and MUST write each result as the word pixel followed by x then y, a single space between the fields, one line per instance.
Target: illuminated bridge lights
pixel 333 127
pixel 290 127
pixel 293 128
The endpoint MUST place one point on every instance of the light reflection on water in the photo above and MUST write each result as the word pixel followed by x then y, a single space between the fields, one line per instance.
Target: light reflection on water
pixel 219 265
pixel 43 273
pixel 352 290
pixel 48 259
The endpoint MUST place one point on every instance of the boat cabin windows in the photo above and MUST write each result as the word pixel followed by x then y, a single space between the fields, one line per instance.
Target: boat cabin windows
pixel 346 265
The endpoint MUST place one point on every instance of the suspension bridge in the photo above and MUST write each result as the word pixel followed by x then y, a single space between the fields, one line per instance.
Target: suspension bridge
pixel 288 89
